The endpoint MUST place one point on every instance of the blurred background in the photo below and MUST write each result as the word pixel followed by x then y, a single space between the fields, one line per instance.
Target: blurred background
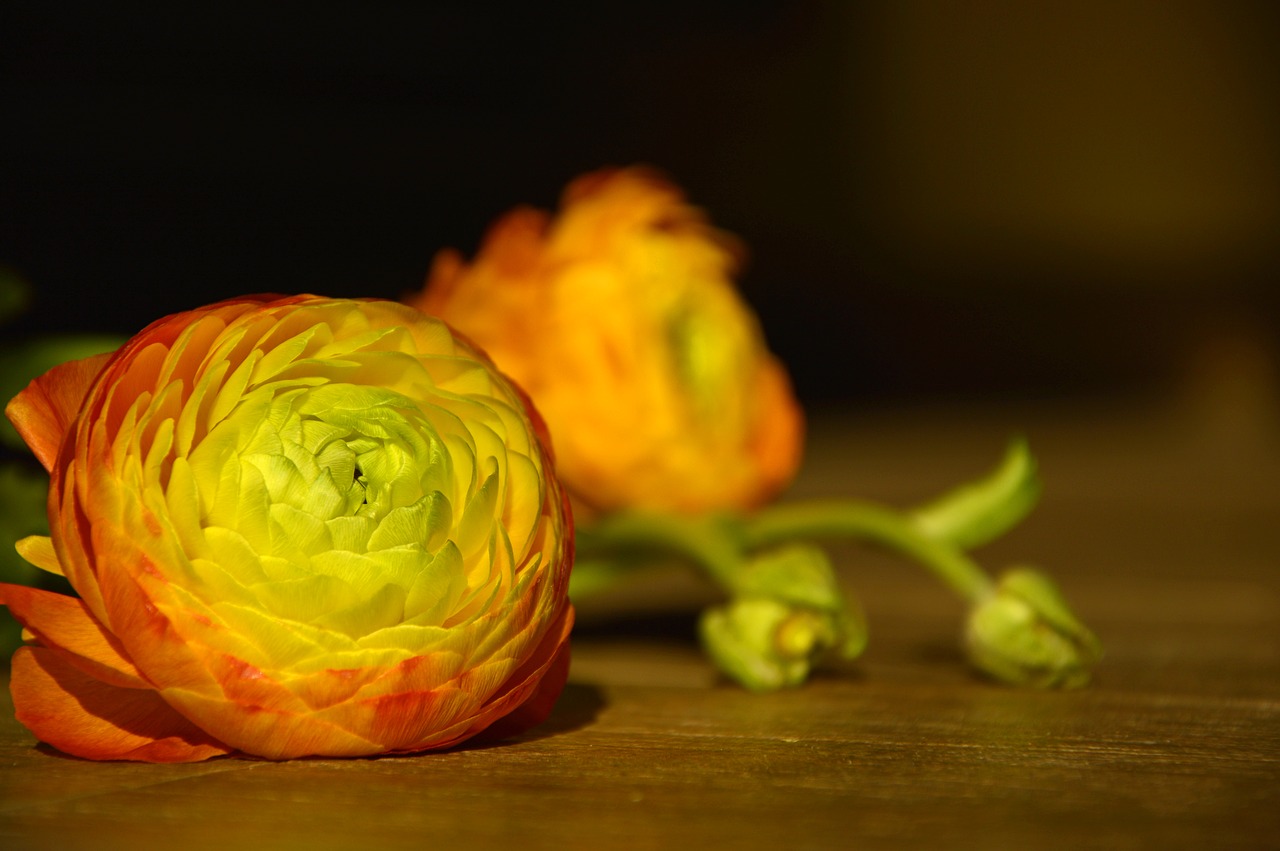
pixel 943 201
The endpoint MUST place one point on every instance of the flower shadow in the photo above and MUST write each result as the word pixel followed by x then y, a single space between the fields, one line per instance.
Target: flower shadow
pixel 578 707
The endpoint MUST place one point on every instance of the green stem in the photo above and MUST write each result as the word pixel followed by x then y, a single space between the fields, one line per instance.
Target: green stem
pixel 844 519
pixel 593 575
pixel 718 544
pixel 703 540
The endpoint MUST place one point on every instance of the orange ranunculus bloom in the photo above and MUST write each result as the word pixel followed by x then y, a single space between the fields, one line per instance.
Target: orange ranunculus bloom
pixel 620 318
pixel 297 526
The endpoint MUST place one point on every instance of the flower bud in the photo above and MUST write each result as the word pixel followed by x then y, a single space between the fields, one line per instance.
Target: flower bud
pixel 1025 634
pixel 786 616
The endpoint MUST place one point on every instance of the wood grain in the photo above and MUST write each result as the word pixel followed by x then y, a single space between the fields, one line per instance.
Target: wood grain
pixel 1164 538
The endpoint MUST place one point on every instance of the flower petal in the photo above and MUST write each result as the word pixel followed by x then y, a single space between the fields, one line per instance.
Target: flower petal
pixel 537 708
pixel 65 625
pixel 82 716
pixel 44 411
pixel 621 317
pixel 525 699
pixel 274 733
pixel 38 550
pixel 244 550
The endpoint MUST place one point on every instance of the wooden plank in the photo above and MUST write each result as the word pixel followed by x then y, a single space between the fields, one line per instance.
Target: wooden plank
pixel 1175 745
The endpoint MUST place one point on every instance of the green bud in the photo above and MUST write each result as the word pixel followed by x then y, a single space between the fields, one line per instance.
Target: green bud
pixel 973 514
pixel 800 574
pixel 1025 634
pixel 742 638
pixel 787 614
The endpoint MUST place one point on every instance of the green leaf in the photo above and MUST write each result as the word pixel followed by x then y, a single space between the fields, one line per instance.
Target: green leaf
pixel 21 363
pixel 22 513
pixel 981 511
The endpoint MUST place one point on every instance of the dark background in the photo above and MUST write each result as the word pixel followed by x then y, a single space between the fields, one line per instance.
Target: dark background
pixel 942 200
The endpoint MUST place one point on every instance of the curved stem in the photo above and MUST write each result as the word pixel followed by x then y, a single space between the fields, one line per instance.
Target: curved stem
pixel 868 521
pixel 718 544
pixel 702 540
pixel 593 575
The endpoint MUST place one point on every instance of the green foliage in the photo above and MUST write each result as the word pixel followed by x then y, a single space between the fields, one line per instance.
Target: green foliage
pixel 21 362
pixel 981 511
pixel 23 486
pixel 22 513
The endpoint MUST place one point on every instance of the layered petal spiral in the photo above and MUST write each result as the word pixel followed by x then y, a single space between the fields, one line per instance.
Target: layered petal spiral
pixel 297 526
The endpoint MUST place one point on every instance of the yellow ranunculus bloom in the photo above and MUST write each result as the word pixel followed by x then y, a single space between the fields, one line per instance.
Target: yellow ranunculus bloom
pixel 297 526
pixel 620 318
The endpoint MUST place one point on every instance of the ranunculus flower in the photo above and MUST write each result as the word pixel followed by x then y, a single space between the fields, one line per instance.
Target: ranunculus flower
pixel 297 526
pixel 620 318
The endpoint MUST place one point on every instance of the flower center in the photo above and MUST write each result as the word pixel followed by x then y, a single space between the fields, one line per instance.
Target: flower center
pixel 336 493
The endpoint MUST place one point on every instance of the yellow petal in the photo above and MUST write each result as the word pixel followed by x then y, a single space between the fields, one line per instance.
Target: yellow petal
pixel 38 549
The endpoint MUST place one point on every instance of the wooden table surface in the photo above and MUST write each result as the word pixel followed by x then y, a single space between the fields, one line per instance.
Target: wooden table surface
pixel 1163 527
